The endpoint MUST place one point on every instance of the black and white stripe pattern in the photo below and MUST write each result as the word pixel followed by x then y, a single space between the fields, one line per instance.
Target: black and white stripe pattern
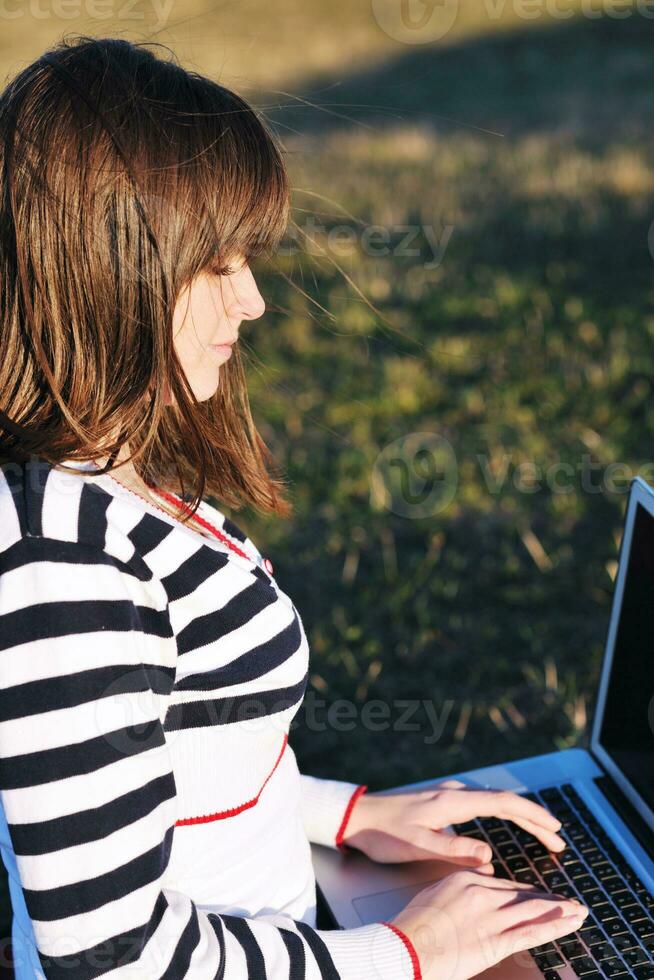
pixel 116 644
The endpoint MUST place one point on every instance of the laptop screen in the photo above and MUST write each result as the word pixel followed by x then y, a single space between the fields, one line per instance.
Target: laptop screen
pixel 627 727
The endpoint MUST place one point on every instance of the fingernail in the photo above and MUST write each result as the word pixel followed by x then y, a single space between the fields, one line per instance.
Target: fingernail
pixel 482 852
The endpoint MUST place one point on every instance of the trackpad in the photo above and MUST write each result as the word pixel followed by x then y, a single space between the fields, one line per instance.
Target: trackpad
pixel 386 904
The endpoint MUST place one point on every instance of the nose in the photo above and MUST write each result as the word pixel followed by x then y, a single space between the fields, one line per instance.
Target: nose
pixel 251 304
pixel 255 308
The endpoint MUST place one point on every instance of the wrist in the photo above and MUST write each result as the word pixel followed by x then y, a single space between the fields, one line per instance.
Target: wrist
pixel 415 960
pixel 354 819
pixel 350 823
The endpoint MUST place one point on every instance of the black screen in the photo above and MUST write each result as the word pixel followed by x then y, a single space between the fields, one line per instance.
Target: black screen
pixel 627 732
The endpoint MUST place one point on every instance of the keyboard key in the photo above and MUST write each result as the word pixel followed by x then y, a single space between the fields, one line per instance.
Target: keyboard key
pixel 615 928
pixel 594 897
pixel 535 850
pixel 549 960
pixel 643 929
pixel 614 886
pixel 546 864
pixel 529 877
pixel 491 823
pixel 624 899
pixel 517 864
pixel 499 837
pixel 633 913
pixel 555 880
pixel 604 913
pixel 583 965
pixel 571 948
pixel 635 957
pixel 567 891
pixel 603 871
pixel 585 884
pixel 467 827
pixel 592 936
pixel 626 941
pixel 614 968
pixel 603 951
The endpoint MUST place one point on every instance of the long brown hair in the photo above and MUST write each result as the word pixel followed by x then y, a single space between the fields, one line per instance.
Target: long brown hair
pixel 123 176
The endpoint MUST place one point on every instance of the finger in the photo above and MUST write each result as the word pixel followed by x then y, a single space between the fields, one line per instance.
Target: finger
pixel 526 934
pixel 552 841
pixel 513 805
pixel 460 850
pixel 463 804
pixel 506 885
pixel 541 903
pixel 451 784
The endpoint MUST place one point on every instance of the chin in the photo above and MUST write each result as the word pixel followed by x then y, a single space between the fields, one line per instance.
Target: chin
pixel 206 391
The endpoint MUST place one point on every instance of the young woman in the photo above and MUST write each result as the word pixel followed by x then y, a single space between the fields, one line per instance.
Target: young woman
pixel 154 821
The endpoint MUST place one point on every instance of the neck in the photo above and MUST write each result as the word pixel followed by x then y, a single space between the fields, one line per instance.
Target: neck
pixel 125 473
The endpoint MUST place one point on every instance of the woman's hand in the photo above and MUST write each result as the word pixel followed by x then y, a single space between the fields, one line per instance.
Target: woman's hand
pixel 468 922
pixel 409 826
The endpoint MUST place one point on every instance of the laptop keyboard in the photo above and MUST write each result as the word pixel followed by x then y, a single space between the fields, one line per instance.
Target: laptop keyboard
pixel 617 937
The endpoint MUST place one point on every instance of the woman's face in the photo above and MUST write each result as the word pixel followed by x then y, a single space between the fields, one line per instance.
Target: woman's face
pixel 210 312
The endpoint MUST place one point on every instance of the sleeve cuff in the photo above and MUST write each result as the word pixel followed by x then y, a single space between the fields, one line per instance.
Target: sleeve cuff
pixel 378 949
pixel 326 805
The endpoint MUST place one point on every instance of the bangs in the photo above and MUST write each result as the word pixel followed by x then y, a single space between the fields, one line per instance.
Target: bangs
pixel 243 179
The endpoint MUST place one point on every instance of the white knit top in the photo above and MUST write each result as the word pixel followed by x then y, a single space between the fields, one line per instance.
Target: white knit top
pixel 153 820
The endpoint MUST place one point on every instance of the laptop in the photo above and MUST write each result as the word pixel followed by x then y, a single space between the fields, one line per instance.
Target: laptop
pixel 604 797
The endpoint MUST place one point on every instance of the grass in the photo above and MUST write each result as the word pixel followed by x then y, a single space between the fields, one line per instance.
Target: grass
pixel 530 344
pixel 526 151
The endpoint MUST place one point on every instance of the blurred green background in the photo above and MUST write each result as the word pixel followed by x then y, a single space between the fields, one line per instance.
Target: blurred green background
pixel 474 196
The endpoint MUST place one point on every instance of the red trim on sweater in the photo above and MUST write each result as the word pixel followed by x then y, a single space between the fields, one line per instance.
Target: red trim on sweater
pixel 172 499
pixel 186 821
pixel 340 844
pixel 415 962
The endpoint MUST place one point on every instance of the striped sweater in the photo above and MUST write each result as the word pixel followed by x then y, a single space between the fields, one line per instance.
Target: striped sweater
pixel 154 822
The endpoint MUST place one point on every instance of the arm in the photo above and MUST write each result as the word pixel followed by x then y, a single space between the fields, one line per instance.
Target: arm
pixel 89 793
pixel 326 806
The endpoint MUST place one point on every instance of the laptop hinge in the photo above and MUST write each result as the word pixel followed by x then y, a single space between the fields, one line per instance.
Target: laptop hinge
pixel 627 811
